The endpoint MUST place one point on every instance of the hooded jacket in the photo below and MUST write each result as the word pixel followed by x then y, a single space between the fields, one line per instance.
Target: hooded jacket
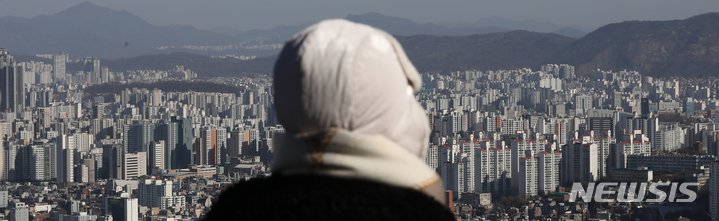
pixel 344 92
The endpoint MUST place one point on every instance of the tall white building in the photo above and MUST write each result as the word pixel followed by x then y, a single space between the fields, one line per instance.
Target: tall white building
pixel 519 146
pixel 468 161
pixel 605 142
pixel 668 137
pixel 528 179
pixel 432 157
pixel 37 165
pixel 580 162
pixel 65 151
pixel 451 167
pixel 157 154
pixel 59 68
pixel 134 165
pixel 548 166
pixel 82 141
pixel 493 167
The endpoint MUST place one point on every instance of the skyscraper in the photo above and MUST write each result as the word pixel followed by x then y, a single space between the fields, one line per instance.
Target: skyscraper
pixel 645 107
pixel 30 162
pixel 137 136
pixel 157 155
pixel 518 152
pixel 167 132
pixel 59 67
pixel 65 160
pixel 92 67
pixel 113 156
pixel 10 169
pixel 235 145
pixel 566 71
pixel 213 147
pixel 104 75
pixel 579 162
pixel 11 84
pixel 689 106
pixel 185 142
pixel 528 175
pixel 493 167
pixel 548 166
pixel 50 160
pixel 617 100
pixel 582 103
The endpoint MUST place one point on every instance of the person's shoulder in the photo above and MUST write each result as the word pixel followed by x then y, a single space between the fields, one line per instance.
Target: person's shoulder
pixel 324 198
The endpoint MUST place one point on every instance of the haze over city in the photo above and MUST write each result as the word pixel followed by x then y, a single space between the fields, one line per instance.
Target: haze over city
pixel 246 15
pixel 181 110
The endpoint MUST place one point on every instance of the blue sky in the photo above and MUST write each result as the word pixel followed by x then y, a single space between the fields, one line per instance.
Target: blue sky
pixel 263 14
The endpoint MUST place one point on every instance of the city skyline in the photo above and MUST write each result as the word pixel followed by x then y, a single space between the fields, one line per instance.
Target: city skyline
pixel 89 138
pixel 503 133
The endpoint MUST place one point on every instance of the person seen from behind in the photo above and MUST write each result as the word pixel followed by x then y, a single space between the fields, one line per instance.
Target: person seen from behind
pixel 355 135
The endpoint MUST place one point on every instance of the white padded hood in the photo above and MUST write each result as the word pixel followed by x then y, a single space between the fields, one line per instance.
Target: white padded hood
pixel 341 74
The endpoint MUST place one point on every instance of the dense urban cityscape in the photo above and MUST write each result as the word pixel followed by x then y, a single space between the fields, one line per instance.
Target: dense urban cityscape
pixel 507 144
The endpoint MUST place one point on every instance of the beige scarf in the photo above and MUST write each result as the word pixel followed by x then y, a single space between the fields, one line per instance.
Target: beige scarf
pixel 340 153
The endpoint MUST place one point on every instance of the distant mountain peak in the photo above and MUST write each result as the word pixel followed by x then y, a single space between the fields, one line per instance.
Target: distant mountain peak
pixel 90 11
pixel 86 4
pixel 87 29
pixel 86 7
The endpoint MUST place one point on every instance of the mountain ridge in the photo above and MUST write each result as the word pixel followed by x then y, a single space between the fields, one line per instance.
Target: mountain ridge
pixel 504 50
pixel 90 30
pixel 688 47
pixel 426 52
pixel 102 32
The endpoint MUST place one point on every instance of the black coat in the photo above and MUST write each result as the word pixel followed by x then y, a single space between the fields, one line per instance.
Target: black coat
pixel 323 198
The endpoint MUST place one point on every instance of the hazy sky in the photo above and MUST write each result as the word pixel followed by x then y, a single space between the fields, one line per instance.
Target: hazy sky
pixel 251 14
